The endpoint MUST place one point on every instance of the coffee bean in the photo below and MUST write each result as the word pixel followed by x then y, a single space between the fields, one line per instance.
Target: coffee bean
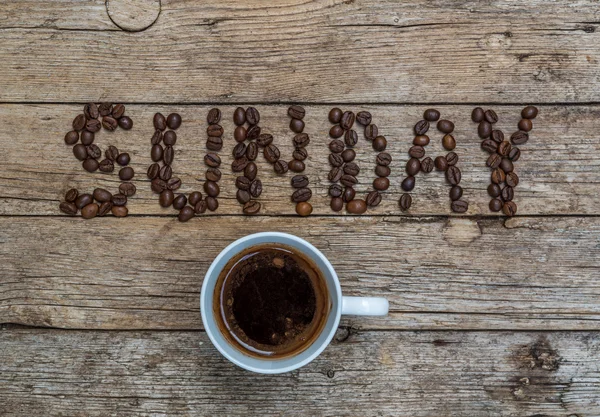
pixel 213 174
pixel 153 171
pixel 351 169
pixel 441 164
pixel 301 140
pixel 296 125
pixel 127 189
pixel 94 125
pixel 525 125
pixel 335 174
pixel 373 199
pixel 212 160
pixel 491 116
pixel 251 208
pixel 509 208
pixel 170 137
pixel 413 166
pixel 514 154
pixel 351 138
pixel 123 159
pixel 302 194
pixel 336 146
pixel 271 153
pixel 105 208
pixel 452 158
pixel 408 184
pixel 347 120
pixel 456 192
pixel 519 138
pixel 90 211
pixel 239 134
pixel 165 172
pixel 427 165
pixel 157 185
pixel 349 194
pixel 504 148
pixel 381 183
pixel 379 144
pixel 364 118
pixel 489 145
pixel 253 132
pixel 296 112
pixel 459 206
pixel 421 127
pixel 484 130
pixel 335 190
pixel 91 111
pixel 494 190
pixel 166 197
pixel 280 167
pixel 125 123
pixel 337 204
pixel 212 203
pixel 118 111
pixel 348 180
pixel 71 195
pixel 174 121
pixel 72 137
pixel 185 214
pixel 160 123
pixel 512 179
pixel 356 207
pixel 101 195
pixel 371 132
pixel 239 116
pixel 421 140
pixel 299 181
pixel 383 171
pixel 256 188
pixel 105 109
pixel 119 199
pixel 68 208
pixel 348 155
pixel 264 139
pixel 213 117
pixel 445 126
pixel 529 112
pixel 252 151
pixel 302 154
pixel 200 207
pixel 119 211
pixel 335 115
pixel 296 166
pixel 214 131
pixel 79 122
pixel 304 209
pixel 252 116
pixel 384 159
pixel 495 204
pixel 416 151
pixel 127 173
pixel 494 161
pixel 214 143
pixel 109 123
pixel 497 136
pixel 83 200
pixel 431 115
pixel 179 202
pixel 90 165
pixel 87 137
pixel 93 151
pixel 156 153
pixel 111 153
pixel 498 176
pixel 448 142
pixel 453 175
pixel 477 115
pixel 239 150
pixel 508 193
pixel 336 131
pixel 242 196
pixel 242 183
pixel 174 183
pixel 506 165
pixel 211 188
pixel 405 202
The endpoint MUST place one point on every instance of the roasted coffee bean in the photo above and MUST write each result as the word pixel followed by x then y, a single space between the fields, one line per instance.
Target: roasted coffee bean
pixel 413 166
pixel 296 112
pixel 90 165
pixel 519 138
pixel 484 130
pixel 525 125
pixel 489 145
pixel 104 109
pixel 508 193
pixel 448 142
pixel 93 151
pixel 459 206
pixel 495 204
pixel 280 167
pixel 509 208
pixel 427 165
pixel 109 123
pixel 87 137
pixel 117 111
pixel 200 207
pixel 494 161
pixel 153 171
pixel 239 150
pixel 497 136
pixel 335 190
pixel 157 185
pixel 179 202
pixel 242 196
pixel 296 125
pixel 185 214
pixel 421 127
pixel 494 190
pixel 174 183
pixel 252 116
pixel 212 160
pixel 256 188
pixel 336 131
pixel 371 132
pixel 119 211
pixel 349 194
pixel 242 183
pixel 239 134
pixel 90 211
pixel 165 172
pixel 337 204
pixel 441 164
pixel 127 188
pixel 506 165
pixel 351 169
pixel 408 184
pixel 456 192
pixel 264 139
pixel 174 121
pixel 299 181
pixel 156 153
pixel 491 116
pixel 364 118
pixel 348 155
pixel 170 137
pixel 253 132
pixel 452 158
pixel 477 115
pixel 251 208
pixel 335 174
pixel 301 140
pixel 125 123
pixel 514 154
pixel 239 116
pixel 348 180
pixel 105 208
pixel 453 175
pixel 94 125
pixel 351 138
pixel 383 171
pixel 302 194
pixel 213 117
pixel 271 153
pixel 68 208
pixel 431 115
pixel 79 122
pixel 127 173
pixel 379 144
pixel 239 164
pixel 445 126
pixel 119 199
pixel 504 148
pixel 498 176
pixel 111 153
pixel 71 195
pixel 384 159
pixel 213 174
pixel 373 199
pixel 160 123
pixel 335 115
pixel 72 137
pixel 212 203
pixel 347 120
pixel 83 200
pixel 91 111
pixel 529 112
pixel 166 197
pixel 512 179
pixel 416 151
pixel 214 130
pixel 304 209
pixel 336 146
pixel 381 183
pixel 356 207
pixel 296 166
pixel 252 151
pixel 421 140
pixel 249 172
pixel 101 195
pixel 214 143
pixel 301 154
pixel 405 202
pixel 212 188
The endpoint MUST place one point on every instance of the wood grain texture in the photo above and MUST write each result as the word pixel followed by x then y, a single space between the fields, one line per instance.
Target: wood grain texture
pixel 366 373
pixel 146 272
pixel 559 169
pixel 319 51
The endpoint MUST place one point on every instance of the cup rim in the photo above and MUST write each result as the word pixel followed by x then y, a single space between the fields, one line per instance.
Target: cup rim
pixel 229 251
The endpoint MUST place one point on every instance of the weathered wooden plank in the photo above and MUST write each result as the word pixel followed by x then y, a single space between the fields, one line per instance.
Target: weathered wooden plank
pixel 366 373
pixel 146 272
pixel 559 168
pixel 319 51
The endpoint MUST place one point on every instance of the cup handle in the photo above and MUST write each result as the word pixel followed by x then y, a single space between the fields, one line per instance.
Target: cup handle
pixel 365 306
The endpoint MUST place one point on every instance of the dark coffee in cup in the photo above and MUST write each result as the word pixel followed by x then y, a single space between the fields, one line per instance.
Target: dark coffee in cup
pixel 271 301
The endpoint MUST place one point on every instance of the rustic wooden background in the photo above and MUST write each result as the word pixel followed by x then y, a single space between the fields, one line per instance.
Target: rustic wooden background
pixel 489 316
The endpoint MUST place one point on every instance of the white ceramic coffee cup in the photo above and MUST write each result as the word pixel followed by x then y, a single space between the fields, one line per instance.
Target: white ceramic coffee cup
pixel 361 306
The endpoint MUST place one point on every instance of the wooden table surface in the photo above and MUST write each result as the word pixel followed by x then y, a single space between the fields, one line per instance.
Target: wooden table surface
pixel 489 316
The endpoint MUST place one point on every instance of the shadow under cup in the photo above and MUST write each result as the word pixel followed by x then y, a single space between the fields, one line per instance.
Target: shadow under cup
pixel 270 365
